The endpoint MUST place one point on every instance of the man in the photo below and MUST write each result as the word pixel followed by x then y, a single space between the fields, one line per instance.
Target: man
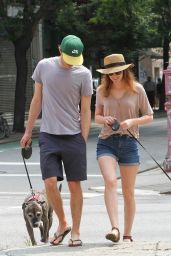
pixel 150 88
pixel 61 85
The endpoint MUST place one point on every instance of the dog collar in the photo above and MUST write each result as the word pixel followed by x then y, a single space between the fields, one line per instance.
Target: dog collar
pixel 34 198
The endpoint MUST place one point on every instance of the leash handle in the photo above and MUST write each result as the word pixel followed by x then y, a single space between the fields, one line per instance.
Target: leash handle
pixel 149 154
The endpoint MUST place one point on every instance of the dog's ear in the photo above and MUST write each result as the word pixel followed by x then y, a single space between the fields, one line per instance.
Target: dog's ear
pixel 24 205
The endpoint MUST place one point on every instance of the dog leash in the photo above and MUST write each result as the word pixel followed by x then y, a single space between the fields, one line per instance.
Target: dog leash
pixel 149 155
pixel 26 154
pixel 115 126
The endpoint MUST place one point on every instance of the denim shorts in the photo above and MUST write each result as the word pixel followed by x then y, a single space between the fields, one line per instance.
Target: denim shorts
pixel 121 147
pixel 59 153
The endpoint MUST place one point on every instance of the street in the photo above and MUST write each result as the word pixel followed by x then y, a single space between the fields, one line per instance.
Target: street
pixel 151 222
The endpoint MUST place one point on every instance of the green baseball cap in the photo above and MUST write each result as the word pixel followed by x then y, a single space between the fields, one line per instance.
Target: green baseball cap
pixel 72 48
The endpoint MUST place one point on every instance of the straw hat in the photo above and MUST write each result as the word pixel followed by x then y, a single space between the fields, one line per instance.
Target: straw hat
pixel 114 63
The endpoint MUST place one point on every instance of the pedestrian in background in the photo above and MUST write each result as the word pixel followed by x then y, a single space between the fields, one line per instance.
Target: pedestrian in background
pixel 159 90
pixel 61 83
pixel 150 88
pixel 121 98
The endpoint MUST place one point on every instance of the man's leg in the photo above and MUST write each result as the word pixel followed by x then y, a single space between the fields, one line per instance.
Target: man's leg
pixel 55 199
pixel 76 203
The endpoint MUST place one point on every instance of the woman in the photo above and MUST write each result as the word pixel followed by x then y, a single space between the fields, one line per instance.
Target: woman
pixel 121 98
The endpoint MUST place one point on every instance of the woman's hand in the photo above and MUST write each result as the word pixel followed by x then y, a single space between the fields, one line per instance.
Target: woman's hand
pixel 109 120
pixel 127 124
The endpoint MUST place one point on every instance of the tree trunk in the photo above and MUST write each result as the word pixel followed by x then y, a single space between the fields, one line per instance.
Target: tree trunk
pixel 20 90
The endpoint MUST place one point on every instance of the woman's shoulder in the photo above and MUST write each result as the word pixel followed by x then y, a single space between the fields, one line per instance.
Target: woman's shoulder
pixel 99 91
pixel 139 87
pixel 99 88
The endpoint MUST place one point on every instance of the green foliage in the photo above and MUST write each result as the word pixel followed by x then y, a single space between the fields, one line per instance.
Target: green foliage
pixel 126 24
pixel 111 26
pixel 20 17
pixel 162 9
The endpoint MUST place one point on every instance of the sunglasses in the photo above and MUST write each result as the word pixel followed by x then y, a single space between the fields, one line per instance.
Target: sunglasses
pixel 116 73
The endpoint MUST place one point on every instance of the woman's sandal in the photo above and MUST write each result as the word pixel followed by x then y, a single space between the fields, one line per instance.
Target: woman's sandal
pixel 113 237
pixel 127 239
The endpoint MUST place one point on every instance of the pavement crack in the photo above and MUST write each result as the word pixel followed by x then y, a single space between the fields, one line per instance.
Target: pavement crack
pixel 156 248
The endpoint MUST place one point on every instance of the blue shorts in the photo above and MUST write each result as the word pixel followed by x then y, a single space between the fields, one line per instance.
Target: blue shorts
pixel 121 147
pixel 58 152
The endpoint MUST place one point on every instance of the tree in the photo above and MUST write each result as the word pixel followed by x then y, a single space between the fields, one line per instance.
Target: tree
pixel 162 21
pixel 20 29
pixel 110 26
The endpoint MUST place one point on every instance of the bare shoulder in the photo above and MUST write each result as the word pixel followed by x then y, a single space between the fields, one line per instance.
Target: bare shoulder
pixel 99 89
pixel 139 87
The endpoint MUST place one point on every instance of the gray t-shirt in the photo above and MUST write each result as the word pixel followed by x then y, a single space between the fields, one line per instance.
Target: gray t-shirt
pixel 62 90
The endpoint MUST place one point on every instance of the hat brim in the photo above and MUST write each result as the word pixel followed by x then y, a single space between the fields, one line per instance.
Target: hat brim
pixel 74 61
pixel 114 69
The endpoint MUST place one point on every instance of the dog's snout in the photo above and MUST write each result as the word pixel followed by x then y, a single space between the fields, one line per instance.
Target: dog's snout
pixel 36 225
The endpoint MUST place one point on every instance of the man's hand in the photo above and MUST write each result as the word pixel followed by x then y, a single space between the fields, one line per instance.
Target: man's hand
pixel 25 140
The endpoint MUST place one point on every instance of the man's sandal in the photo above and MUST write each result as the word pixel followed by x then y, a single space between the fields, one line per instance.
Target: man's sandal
pixel 61 236
pixel 127 239
pixel 75 242
pixel 112 236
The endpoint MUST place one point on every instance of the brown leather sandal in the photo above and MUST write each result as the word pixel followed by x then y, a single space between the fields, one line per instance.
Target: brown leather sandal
pixel 127 238
pixel 112 237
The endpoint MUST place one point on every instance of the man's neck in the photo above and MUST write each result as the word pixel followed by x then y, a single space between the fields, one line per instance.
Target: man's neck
pixel 64 64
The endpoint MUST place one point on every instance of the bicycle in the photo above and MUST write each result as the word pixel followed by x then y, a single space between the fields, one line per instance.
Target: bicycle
pixel 4 127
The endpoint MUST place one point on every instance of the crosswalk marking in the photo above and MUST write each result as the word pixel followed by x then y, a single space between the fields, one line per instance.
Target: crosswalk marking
pixel 36 175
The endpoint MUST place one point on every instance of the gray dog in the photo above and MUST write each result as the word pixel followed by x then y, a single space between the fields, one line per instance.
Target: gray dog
pixel 37 214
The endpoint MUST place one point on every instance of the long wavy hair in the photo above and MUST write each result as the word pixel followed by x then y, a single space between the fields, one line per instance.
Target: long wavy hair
pixel 128 79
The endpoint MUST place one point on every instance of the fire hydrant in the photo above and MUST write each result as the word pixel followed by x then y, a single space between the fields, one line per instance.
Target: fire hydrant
pixel 167 76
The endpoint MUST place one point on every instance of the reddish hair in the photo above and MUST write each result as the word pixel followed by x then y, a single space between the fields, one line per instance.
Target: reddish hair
pixel 128 79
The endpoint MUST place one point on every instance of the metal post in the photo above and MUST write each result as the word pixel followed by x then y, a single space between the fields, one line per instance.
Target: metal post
pixel 167 76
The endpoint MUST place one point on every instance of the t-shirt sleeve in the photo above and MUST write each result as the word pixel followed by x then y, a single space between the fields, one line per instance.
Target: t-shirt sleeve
pixel 144 105
pixel 87 84
pixel 37 73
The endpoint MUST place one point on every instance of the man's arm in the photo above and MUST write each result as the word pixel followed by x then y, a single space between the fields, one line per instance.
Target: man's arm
pixel 35 109
pixel 85 115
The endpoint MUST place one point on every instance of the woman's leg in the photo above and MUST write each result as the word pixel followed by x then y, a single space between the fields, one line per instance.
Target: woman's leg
pixel 108 168
pixel 128 174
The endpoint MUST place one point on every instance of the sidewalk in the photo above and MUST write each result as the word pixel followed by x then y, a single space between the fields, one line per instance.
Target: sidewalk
pixel 121 249
pixel 94 129
pixel 152 229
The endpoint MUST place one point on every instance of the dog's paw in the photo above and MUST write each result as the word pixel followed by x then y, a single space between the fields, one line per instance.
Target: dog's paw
pixel 34 243
pixel 43 240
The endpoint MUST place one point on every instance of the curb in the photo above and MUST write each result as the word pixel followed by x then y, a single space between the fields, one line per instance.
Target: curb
pixel 94 129
pixel 145 248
